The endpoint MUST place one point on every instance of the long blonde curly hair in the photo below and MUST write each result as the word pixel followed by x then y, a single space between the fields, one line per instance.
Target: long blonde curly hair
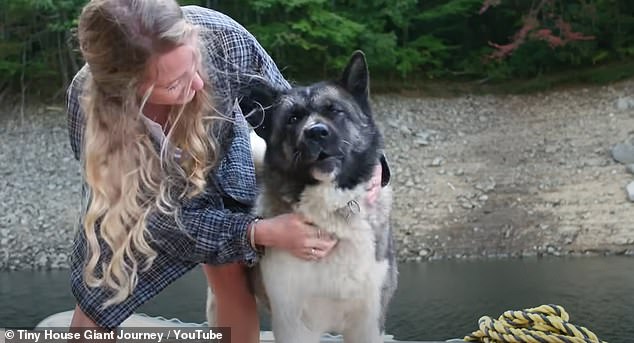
pixel 126 176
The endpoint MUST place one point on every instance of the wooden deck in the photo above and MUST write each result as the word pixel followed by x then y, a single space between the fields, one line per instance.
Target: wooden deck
pixel 62 320
pixel 267 337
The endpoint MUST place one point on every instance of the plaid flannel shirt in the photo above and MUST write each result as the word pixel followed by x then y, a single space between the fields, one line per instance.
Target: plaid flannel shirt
pixel 216 221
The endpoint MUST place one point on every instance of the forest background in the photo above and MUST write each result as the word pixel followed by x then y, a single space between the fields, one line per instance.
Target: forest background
pixel 524 45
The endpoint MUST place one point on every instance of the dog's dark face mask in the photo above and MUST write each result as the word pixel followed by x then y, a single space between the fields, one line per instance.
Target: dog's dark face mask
pixel 322 132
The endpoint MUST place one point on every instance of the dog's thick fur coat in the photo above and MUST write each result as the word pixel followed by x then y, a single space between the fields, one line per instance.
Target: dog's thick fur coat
pixel 322 146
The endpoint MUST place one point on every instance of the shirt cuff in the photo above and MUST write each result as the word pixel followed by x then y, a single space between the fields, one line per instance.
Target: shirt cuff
pixel 251 256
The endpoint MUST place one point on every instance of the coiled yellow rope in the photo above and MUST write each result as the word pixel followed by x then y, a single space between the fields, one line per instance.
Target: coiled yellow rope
pixel 543 324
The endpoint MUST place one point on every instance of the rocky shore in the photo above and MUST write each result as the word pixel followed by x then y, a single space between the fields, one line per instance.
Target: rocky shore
pixel 474 177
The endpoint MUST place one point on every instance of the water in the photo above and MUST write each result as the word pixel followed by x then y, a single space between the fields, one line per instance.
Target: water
pixel 435 300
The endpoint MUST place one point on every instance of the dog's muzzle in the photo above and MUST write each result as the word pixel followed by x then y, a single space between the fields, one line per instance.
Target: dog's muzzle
pixel 320 150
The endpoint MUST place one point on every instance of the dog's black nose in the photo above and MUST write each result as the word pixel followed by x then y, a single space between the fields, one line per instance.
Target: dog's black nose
pixel 317 131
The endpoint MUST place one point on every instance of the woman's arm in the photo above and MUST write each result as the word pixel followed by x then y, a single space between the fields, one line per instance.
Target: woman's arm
pixel 211 233
pixel 75 117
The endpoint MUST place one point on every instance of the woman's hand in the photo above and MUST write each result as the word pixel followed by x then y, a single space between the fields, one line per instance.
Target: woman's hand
pixel 293 233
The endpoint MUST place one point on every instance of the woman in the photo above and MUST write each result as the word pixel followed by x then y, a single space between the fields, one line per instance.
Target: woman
pixel 168 173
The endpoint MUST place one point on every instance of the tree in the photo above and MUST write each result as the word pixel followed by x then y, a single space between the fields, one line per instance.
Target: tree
pixel 542 22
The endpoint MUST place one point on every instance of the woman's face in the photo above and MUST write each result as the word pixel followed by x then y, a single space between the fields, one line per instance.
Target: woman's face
pixel 174 75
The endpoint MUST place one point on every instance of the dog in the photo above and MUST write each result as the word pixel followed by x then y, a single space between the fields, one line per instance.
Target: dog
pixel 322 146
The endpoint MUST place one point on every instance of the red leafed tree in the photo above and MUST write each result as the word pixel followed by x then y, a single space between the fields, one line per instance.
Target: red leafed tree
pixel 542 22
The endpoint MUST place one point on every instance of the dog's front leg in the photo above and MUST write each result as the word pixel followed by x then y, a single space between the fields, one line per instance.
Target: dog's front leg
pixel 364 328
pixel 288 327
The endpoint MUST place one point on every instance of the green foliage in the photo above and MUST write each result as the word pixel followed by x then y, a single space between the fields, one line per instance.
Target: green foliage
pixel 403 40
pixel 456 9
pixel 35 50
pixel 432 39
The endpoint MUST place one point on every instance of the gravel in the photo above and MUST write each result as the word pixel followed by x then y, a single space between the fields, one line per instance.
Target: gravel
pixel 39 188
pixel 511 176
pixel 474 177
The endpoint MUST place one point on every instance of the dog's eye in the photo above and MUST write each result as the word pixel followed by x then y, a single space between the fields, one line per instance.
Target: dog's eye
pixel 295 115
pixel 334 109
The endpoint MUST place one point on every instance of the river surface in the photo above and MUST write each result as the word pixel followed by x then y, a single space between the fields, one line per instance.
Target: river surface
pixel 435 301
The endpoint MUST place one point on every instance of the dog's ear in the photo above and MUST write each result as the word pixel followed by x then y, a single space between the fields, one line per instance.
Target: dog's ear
pixel 356 78
pixel 257 97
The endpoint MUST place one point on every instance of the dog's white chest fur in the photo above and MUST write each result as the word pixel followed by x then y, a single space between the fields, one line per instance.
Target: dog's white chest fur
pixel 335 293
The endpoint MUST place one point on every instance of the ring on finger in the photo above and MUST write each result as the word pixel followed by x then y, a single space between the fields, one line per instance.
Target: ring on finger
pixel 319 233
pixel 312 252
